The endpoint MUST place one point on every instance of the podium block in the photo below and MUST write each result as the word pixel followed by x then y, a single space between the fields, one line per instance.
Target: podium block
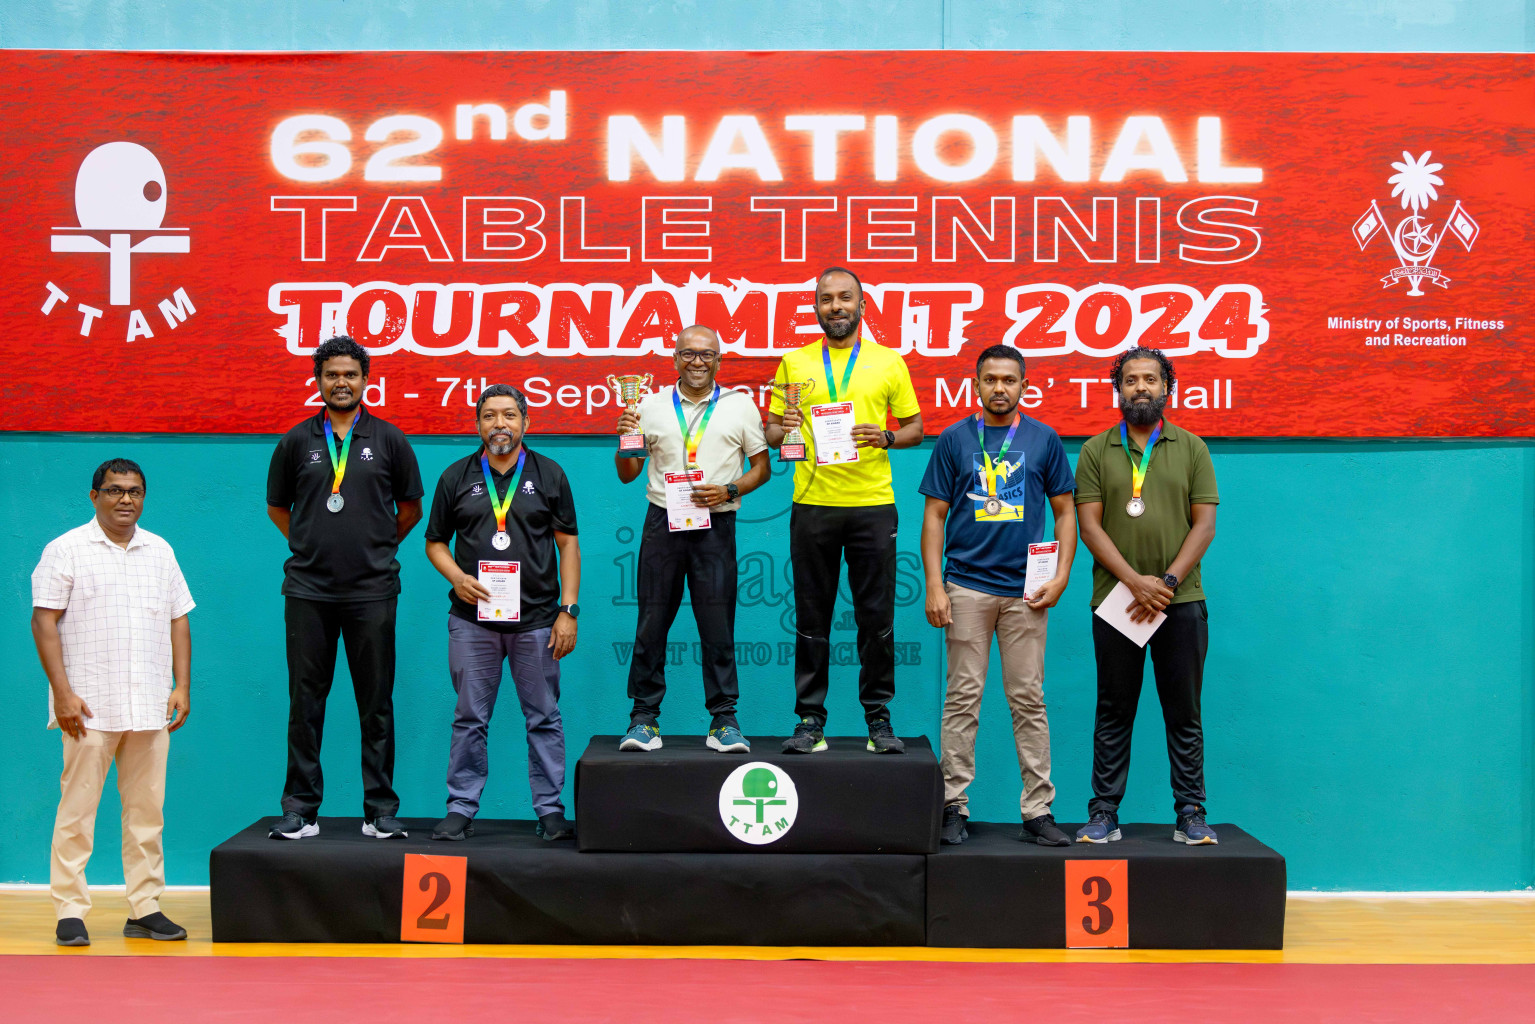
pixel 341 886
pixel 688 798
pixel 1144 892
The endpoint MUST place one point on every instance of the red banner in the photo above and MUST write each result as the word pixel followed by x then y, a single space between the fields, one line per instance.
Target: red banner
pixel 1326 244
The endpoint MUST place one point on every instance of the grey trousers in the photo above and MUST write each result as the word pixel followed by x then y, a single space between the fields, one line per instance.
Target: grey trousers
pixel 475 655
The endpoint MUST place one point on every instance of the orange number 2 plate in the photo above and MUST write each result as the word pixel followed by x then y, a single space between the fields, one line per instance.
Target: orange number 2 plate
pixel 432 909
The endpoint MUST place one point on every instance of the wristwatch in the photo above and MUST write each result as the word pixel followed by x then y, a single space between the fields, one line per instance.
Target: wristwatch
pixel 1171 581
pixel 889 438
pixel 733 491
pixel 573 610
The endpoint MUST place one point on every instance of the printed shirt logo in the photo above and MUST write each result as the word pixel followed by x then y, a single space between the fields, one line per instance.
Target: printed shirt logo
pixel 367 454
pixel 758 803
pixel 527 487
pixel 314 455
pixel 477 489
pixel 1414 238
pixel 999 493
pixel 120 197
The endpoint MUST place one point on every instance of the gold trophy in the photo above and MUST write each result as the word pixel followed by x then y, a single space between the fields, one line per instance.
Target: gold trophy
pixel 793 447
pixel 630 387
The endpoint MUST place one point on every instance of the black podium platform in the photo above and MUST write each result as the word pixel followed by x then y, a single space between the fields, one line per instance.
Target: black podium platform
pixel 341 886
pixel 995 891
pixel 847 800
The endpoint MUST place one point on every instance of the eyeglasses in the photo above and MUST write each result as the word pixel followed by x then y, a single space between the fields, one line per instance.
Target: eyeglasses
pixel 116 493
pixel 694 355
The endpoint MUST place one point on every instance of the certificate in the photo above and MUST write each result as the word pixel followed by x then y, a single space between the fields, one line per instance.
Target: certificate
pixel 1041 567
pixel 1112 611
pixel 504 581
pixel 831 425
pixel 681 513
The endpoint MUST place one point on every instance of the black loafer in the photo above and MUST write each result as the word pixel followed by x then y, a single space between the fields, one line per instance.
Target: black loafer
pixel 71 932
pixel 156 926
pixel 554 826
pixel 454 828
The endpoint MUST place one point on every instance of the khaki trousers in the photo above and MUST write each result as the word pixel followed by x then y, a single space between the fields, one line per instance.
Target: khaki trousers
pixel 1020 633
pixel 140 758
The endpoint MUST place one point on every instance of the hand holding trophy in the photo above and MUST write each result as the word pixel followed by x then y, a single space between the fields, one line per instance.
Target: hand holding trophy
pixel 630 387
pixel 793 447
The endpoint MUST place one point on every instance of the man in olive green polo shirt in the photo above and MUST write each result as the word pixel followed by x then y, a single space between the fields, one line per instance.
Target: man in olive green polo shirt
pixel 1146 503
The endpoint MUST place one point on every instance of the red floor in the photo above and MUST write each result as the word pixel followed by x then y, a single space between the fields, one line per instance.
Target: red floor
pixel 126 990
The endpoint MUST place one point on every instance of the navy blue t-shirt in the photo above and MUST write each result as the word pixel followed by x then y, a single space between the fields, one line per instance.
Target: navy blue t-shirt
pixel 985 551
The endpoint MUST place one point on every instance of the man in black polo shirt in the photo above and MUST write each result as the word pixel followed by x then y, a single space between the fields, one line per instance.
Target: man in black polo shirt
pixel 344 488
pixel 516 573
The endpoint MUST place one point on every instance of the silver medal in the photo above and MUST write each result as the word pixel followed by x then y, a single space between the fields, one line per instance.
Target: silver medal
pixel 993 506
pixel 1135 507
pixel 335 502
pixel 501 541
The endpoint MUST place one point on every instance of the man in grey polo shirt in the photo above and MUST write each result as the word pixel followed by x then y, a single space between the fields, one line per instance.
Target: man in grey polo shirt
pixel 694 423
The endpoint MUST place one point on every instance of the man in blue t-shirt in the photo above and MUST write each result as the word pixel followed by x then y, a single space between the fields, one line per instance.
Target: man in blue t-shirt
pixel 986 486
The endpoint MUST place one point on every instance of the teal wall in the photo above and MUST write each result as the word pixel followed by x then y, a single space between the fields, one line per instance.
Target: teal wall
pixel 1370 694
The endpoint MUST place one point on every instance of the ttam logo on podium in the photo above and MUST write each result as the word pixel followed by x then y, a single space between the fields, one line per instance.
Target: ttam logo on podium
pixel 120 198
pixel 758 803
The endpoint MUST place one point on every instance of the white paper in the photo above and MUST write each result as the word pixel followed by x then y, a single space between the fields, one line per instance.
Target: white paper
pixel 831 424
pixel 504 581
pixel 1041 567
pixel 681 512
pixel 1112 611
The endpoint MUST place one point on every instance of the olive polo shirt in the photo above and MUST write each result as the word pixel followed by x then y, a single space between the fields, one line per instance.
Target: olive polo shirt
pixel 1180 474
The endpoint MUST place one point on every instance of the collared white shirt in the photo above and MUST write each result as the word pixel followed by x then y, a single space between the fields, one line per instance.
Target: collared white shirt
pixel 116 628
pixel 734 435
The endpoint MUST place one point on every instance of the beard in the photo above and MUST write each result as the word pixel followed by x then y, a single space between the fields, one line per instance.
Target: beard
pixel 501 443
pixel 343 404
pixel 839 329
pixel 1144 414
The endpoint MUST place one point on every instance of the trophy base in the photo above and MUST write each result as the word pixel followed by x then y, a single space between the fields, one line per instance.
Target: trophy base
pixel 632 446
pixel 791 453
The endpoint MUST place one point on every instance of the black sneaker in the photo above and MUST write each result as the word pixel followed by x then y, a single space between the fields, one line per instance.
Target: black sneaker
pixel 293 826
pixel 385 826
pixel 882 739
pixel 553 826
pixel 807 738
pixel 71 932
pixel 1044 831
pixel 154 926
pixel 952 832
pixel 454 828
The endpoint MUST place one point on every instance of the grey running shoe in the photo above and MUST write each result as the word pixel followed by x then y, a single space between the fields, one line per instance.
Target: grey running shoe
pixel 293 826
pixel 807 738
pixel 385 826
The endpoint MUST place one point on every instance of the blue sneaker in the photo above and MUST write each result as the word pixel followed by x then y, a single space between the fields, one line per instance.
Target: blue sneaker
pixel 1102 828
pixel 727 739
pixel 641 736
pixel 1192 828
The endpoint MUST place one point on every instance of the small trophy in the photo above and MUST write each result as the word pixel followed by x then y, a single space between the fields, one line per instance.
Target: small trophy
pixel 793 447
pixel 629 387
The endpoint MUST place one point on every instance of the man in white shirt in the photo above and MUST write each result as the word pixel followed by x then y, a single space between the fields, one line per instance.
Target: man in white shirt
pixel 695 425
pixel 109 616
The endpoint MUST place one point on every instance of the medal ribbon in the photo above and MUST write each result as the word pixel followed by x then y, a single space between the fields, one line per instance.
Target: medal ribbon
pixel 847 371
pixel 690 439
pixel 1138 473
pixel 337 465
pixel 980 436
pixel 497 505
